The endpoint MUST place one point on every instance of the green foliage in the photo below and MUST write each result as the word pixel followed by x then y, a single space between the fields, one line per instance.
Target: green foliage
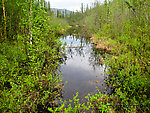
pixel 29 59
pixel 58 25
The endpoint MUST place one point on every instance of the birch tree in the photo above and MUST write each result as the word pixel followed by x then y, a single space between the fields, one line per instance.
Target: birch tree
pixel 5 34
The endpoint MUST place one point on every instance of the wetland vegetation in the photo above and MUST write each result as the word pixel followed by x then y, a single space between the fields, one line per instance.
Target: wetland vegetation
pixel 35 61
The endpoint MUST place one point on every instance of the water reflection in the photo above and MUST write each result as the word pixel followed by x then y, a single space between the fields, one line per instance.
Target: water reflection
pixel 82 69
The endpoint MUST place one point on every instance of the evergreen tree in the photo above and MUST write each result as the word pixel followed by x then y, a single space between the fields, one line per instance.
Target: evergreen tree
pixel 82 8
pixel 49 8
pixel 63 14
pixel 58 14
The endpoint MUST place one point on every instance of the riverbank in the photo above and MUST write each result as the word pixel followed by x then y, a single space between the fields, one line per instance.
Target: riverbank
pixel 124 74
pixel 102 44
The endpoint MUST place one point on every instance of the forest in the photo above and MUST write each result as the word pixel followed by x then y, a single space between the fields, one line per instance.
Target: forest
pixel 31 52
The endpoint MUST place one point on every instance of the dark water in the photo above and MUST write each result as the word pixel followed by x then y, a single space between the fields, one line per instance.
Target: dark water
pixel 81 70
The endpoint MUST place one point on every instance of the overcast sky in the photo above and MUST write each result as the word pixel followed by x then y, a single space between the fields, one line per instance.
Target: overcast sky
pixel 72 5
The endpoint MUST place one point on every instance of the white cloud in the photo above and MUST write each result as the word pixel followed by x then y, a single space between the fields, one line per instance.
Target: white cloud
pixel 69 4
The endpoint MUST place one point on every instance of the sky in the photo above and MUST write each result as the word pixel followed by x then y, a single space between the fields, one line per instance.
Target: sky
pixel 72 5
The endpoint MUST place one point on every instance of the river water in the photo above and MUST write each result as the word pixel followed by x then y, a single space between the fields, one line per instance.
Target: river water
pixel 81 70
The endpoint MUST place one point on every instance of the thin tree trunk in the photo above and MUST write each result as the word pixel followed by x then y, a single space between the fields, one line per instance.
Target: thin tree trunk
pixel 5 35
pixel 30 24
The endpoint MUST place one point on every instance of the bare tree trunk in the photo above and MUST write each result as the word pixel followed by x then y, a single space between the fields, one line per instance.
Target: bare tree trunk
pixel 30 24
pixel 5 35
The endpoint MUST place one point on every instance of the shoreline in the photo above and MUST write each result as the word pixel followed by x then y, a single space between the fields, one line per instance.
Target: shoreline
pixel 102 45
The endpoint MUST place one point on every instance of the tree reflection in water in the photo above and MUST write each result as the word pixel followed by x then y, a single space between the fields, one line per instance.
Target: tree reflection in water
pixel 82 68
pixel 95 55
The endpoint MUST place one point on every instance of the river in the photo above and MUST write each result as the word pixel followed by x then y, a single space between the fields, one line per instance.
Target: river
pixel 82 70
